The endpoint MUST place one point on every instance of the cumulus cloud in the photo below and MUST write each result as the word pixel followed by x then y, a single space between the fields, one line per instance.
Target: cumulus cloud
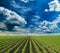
pixel 11 18
pixel 46 27
pixel 54 6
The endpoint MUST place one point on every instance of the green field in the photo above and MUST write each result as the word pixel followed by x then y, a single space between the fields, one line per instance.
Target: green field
pixel 29 44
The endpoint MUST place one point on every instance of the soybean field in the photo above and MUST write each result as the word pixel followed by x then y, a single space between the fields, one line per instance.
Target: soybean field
pixel 29 44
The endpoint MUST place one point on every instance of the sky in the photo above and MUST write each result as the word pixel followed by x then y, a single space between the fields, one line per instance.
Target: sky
pixel 38 16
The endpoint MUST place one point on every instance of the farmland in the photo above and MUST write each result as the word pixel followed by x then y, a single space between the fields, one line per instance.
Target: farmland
pixel 29 44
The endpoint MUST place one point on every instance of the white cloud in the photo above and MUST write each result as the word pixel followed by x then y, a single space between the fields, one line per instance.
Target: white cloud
pixel 46 10
pixel 46 26
pixel 36 16
pixel 57 20
pixel 35 19
pixel 11 16
pixel 50 26
pixel 45 23
pixel 2 25
pixel 22 10
pixel 54 6
pixel 13 3
pixel 25 1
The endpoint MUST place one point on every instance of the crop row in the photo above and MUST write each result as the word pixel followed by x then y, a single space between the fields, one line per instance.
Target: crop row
pixel 25 45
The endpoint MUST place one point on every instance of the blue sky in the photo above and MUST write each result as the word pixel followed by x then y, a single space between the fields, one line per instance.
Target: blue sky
pixel 38 15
